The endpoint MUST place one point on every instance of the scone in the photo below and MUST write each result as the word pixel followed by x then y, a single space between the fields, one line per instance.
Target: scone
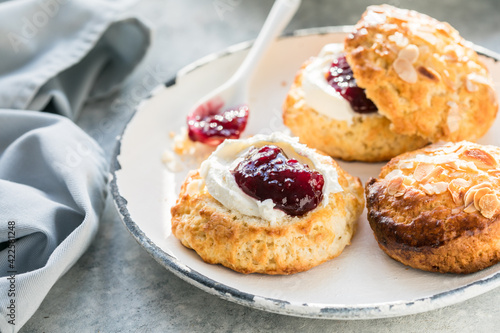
pixel 438 208
pixel 267 204
pixel 323 119
pixel 424 77
pixel 400 81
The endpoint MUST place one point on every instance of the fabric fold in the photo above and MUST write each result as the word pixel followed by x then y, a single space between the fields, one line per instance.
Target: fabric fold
pixel 56 56
pixel 66 52
pixel 53 192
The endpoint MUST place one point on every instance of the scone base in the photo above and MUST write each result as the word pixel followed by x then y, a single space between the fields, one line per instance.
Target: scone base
pixel 251 245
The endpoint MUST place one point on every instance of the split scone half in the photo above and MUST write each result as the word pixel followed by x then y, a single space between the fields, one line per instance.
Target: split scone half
pixel 438 208
pixel 425 83
pixel 267 204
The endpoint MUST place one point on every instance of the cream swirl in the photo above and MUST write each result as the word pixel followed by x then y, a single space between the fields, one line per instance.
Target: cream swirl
pixel 319 94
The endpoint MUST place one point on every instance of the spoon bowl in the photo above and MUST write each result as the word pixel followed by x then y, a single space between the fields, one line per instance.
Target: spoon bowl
pixel 223 113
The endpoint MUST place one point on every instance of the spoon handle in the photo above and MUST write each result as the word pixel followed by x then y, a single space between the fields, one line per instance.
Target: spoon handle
pixel 281 13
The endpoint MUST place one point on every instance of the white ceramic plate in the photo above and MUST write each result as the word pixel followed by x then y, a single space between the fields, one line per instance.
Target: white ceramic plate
pixel 361 283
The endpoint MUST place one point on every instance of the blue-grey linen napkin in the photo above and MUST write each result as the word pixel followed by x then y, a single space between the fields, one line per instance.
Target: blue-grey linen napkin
pixel 54 56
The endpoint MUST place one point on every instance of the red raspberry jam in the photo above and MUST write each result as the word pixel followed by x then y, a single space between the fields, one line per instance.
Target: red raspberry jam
pixel 340 77
pixel 210 126
pixel 266 173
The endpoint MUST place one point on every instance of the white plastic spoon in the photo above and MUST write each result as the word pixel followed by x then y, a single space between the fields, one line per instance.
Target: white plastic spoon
pixel 233 93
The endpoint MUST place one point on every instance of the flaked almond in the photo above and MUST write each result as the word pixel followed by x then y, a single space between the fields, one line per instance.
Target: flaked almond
pixel 481 185
pixel 392 48
pixel 422 170
pixel 450 53
pixel 468 165
pixel 479 194
pixel 395 14
pixel 457 188
pixel 470 86
pixel 372 18
pixel 394 173
pixel 395 185
pixel 474 77
pixel 435 188
pixel 455 195
pixel 433 174
pixel 440 187
pixel 406 165
pixel 409 53
pixel 408 181
pixel 449 148
pixel 428 189
pixel 405 70
pixel 470 208
pixel 376 9
pixel 451 164
pixel 429 73
pixel 469 196
pixel 482 159
pixel 489 205
pixel 426 36
pixel 459 183
pixel 456 174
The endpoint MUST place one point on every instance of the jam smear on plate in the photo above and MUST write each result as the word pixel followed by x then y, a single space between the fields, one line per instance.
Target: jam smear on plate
pixel 267 173
pixel 341 78
pixel 209 125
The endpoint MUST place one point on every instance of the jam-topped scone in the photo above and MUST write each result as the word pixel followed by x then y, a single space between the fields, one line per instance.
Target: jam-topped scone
pixel 438 208
pixel 267 204
pixel 424 77
pixel 400 81
pixel 328 111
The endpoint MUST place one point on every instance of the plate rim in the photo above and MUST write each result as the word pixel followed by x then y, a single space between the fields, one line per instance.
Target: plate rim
pixel 307 310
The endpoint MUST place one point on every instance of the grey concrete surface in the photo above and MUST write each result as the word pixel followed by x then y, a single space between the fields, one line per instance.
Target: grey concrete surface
pixel 117 287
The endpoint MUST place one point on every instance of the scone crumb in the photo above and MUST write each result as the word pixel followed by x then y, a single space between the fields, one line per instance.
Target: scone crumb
pixel 184 153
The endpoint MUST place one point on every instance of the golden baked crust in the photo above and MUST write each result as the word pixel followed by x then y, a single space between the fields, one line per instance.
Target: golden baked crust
pixel 438 208
pixel 421 75
pixel 251 245
pixel 367 138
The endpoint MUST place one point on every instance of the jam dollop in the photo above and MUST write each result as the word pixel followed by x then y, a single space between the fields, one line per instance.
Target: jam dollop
pixel 341 78
pixel 209 125
pixel 267 173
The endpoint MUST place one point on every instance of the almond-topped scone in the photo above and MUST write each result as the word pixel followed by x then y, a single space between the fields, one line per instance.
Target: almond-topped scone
pixel 401 80
pixel 327 111
pixel 267 204
pixel 438 208
pixel 424 77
